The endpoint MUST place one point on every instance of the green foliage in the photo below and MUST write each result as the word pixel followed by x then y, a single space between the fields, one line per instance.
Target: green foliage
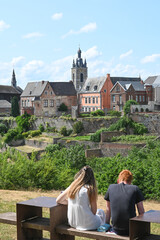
pixel 23 122
pixel 114 113
pixel 12 134
pixel 96 137
pixel 15 107
pixel 127 106
pixel 63 108
pixel 3 128
pixel 64 131
pixel 41 128
pixel 52 148
pixel 34 133
pixel 84 115
pixel 133 138
pixel 78 127
pixel 98 112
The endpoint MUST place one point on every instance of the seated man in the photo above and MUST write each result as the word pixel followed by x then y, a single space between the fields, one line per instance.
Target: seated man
pixel 121 199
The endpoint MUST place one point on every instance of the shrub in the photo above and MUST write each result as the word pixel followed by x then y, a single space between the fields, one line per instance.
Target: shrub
pixel 34 133
pixel 78 127
pixel 52 148
pixel 63 131
pixel 51 129
pixel 12 134
pixel 114 113
pixel 127 106
pixel 23 122
pixel 98 112
pixel 63 108
pixel 3 128
pixel 96 137
pixel 41 127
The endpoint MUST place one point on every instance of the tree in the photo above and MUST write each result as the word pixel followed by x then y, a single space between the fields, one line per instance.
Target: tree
pixel 127 106
pixel 15 107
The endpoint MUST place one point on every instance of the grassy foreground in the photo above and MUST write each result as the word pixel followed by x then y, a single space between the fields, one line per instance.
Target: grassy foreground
pixel 8 200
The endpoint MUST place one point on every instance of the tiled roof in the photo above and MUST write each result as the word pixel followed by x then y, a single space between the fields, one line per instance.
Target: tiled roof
pixel 5 104
pixel 8 90
pixel 138 86
pixel 34 89
pixel 63 88
pixel 150 80
pixel 93 84
pixel 120 79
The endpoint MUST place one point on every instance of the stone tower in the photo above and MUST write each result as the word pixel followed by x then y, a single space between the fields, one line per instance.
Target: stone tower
pixel 79 72
pixel 13 81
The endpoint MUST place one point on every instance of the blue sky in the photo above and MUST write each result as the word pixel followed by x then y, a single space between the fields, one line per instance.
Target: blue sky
pixel 40 38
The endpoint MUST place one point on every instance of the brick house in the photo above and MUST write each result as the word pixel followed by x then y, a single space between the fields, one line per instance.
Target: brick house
pixel 44 98
pixel 123 91
pixel 93 95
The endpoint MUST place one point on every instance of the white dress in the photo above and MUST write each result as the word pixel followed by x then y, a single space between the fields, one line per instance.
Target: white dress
pixel 80 215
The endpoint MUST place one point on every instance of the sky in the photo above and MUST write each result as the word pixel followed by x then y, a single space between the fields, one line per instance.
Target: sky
pixel 40 38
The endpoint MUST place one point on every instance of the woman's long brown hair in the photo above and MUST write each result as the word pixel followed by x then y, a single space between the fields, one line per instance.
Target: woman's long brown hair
pixel 84 177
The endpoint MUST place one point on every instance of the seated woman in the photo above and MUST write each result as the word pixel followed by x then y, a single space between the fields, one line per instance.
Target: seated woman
pixel 81 197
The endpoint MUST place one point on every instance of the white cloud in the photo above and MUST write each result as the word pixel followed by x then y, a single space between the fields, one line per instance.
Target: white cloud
pixel 18 61
pixel 3 25
pixel 151 58
pixel 33 35
pixel 124 55
pixel 57 16
pixel 85 29
pixel 91 53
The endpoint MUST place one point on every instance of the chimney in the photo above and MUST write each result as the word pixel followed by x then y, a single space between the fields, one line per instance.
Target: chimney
pixel 42 81
pixel 108 75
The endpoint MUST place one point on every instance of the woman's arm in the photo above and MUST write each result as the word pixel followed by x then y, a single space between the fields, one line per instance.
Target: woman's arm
pixel 62 198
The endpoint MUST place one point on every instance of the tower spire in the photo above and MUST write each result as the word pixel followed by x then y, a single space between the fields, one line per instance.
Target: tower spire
pixel 13 81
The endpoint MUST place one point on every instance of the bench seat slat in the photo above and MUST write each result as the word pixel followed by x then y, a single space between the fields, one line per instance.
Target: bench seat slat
pixel 67 230
pixel 38 223
pixel 8 218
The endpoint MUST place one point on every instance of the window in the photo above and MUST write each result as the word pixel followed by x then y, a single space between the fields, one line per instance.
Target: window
pixel 81 77
pixel 113 98
pixel 89 109
pixel 96 99
pixel 45 103
pixel 85 100
pixel 82 109
pixel 25 103
pixel 95 87
pixel 136 98
pixel 114 108
pixel 51 103
pixel 143 98
pixel 93 99
pixel 87 88
pixel 140 98
pixel 73 77
pixel 117 88
pixel 89 100
pixel 120 99
pixel 105 90
pixel 51 92
pixel 93 109
pixel 22 103
pixel 45 92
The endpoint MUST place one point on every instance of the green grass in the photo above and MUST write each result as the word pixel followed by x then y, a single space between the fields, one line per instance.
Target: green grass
pixel 78 138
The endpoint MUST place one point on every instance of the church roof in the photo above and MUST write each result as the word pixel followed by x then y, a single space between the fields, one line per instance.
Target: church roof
pixel 8 90
pixel 5 104
pixel 34 89
pixel 63 88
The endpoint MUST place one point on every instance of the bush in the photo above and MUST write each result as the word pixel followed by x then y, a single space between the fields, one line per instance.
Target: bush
pixel 114 113
pixel 23 122
pixel 41 127
pixel 96 137
pixel 78 127
pixel 3 128
pixel 12 134
pixel 127 106
pixel 98 112
pixel 34 133
pixel 51 129
pixel 63 131
pixel 52 148
pixel 63 108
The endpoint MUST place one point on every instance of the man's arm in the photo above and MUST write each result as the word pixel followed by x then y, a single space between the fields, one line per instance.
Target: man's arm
pixel 108 212
pixel 140 207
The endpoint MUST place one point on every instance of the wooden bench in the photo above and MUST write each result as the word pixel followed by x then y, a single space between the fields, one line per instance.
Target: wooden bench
pixel 30 223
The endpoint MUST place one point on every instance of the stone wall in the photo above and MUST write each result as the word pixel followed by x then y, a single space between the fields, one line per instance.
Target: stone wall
pixel 107 136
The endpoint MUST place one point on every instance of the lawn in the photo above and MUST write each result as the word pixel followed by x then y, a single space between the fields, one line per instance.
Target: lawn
pixel 8 200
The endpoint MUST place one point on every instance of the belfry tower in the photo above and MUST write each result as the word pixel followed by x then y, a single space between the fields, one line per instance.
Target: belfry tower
pixel 79 72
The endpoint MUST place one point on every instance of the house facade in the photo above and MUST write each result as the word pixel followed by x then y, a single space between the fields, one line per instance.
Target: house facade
pixel 123 91
pixel 93 95
pixel 44 98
